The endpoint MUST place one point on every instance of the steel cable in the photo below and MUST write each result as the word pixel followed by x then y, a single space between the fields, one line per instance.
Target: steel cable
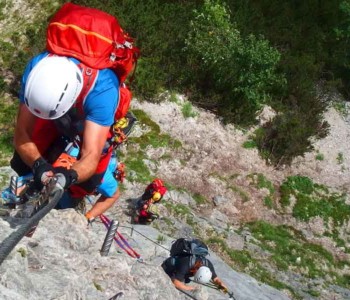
pixel 9 243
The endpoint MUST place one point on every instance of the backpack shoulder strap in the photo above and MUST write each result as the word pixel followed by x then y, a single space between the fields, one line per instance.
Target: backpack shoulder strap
pixel 89 80
pixel 192 261
pixel 205 262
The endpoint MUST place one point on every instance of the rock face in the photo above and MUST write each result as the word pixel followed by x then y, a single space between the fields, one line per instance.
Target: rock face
pixel 62 261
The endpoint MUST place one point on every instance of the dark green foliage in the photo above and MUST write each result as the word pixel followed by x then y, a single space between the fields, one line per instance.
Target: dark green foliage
pixel 2 13
pixel 305 35
pixel 6 145
pixel 231 58
pixel 160 28
pixel 288 135
pixel 242 70
pixel 3 85
pixel 15 59
pixel 7 121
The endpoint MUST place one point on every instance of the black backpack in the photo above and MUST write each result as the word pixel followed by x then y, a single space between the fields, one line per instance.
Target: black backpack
pixel 188 247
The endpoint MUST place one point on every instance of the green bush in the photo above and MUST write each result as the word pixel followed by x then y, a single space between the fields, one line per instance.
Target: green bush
pixel 249 144
pixel 160 28
pixel 300 184
pixel 292 186
pixel 226 60
pixel 243 70
pixel 288 136
pixel 187 110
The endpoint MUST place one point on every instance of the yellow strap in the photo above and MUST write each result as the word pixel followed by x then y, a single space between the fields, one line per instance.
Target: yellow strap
pixel 82 31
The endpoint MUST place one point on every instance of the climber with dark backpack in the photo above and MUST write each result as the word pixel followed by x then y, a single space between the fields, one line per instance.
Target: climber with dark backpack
pixel 73 93
pixel 188 259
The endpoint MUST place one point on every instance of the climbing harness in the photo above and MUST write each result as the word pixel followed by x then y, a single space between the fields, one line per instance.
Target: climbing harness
pixel 121 129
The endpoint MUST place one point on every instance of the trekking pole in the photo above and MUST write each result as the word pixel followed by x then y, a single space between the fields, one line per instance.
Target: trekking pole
pixel 113 226
pixel 53 193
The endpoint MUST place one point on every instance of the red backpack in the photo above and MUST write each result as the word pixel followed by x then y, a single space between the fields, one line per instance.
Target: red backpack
pixel 96 39
pixel 157 185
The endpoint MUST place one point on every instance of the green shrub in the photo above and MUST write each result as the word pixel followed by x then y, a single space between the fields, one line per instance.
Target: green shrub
pixel 160 28
pixel 153 136
pixel 340 158
pixel 319 156
pixel 199 199
pixel 135 163
pixel 268 202
pixel 301 184
pixel 2 6
pixel 263 182
pixel 187 110
pixel 292 185
pixel 249 144
pixel 287 136
pixel 243 70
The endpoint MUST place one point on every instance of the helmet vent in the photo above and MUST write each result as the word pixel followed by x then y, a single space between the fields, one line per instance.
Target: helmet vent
pixel 52 113
pixel 59 100
pixel 78 77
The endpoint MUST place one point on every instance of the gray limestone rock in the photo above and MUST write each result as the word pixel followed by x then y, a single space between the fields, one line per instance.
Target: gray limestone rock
pixel 62 261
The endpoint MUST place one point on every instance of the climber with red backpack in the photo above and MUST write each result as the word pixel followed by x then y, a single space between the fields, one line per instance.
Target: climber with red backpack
pixel 146 210
pixel 74 92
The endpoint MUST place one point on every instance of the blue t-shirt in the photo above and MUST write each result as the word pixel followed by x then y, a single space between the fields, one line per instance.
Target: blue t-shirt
pixel 101 102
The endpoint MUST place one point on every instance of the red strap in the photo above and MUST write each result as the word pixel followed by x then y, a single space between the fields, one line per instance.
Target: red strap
pixel 89 79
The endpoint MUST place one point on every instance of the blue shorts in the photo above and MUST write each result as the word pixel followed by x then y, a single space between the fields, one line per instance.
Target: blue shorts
pixel 109 183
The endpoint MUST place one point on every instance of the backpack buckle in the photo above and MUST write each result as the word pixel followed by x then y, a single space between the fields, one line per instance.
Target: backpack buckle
pixel 88 71
pixel 112 57
pixel 128 44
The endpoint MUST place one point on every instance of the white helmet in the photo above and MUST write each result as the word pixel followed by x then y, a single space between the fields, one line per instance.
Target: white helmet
pixel 52 87
pixel 203 275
